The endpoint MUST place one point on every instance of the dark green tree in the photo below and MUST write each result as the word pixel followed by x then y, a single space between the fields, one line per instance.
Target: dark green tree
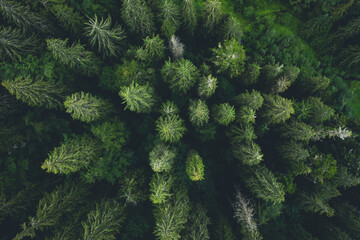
pixel 169 108
pixel 170 128
pixel 138 98
pixel 198 112
pixel 319 111
pixel 298 131
pixel 152 50
pixel 68 18
pixel 197 226
pixel 212 13
pixel 233 28
pixel 246 115
pixel 86 107
pixel 113 134
pixel 189 15
pixel 277 109
pixel 138 17
pixel 223 114
pixel 251 74
pixel 170 16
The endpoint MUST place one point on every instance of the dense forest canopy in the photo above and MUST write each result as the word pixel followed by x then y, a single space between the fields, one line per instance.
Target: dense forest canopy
pixel 179 119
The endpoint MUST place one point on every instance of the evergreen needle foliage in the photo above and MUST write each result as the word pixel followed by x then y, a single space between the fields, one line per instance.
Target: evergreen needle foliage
pixel 207 86
pixel 137 16
pixel 170 128
pixel 138 98
pixel 277 109
pixel 162 158
pixel 160 186
pixel 223 114
pixel 194 166
pixel 198 112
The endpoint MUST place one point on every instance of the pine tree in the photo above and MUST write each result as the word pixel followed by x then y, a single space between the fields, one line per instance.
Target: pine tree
pixel 170 16
pixel 251 74
pixel 14 44
pixel 244 133
pixel 138 98
pixel 198 112
pixel 249 154
pixel 194 166
pixel 75 56
pixel 197 226
pixel 152 50
pixel 68 17
pixel 213 13
pixel 223 114
pixel 298 131
pixel 171 217
pixel 295 155
pixel 71 156
pixel 265 186
pixel 244 214
pixel 36 93
pixel 189 14
pixel 64 199
pixel 181 75
pixel 277 109
pixel 229 58
pixel 162 158
pixel 246 115
pixel 169 108
pixel 160 187
pixel 23 17
pixel 176 47
pixel 207 86
pixel 138 17
pixel 233 28
pixel 107 39
pixel 319 111
pixel 87 108
pixel 171 128
pixel 253 100
pixel 104 222
pixel 113 134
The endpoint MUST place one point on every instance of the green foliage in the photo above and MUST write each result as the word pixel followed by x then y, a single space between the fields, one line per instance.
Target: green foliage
pixel 251 74
pixel 324 167
pixel 75 56
pixel 229 58
pixel 170 16
pixel 212 13
pixel 152 50
pixel 14 44
pixel 319 111
pixel 137 16
pixel 36 93
pixel 316 203
pixel 265 186
pixel 131 189
pixel 181 75
pixel 106 38
pixel 113 134
pixel 295 155
pixel 223 114
pixel 160 187
pixel 233 28
pixel 246 115
pixel 104 222
pixel 207 86
pixel 69 18
pixel 302 110
pixel 170 128
pixel 252 100
pixel 194 166
pixel 197 226
pixel 277 109
pixel 272 71
pixel 162 158
pixel 198 112
pixel 315 84
pixel 71 156
pixel 242 133
pixel 169 108
pixel 249 154
pixel 298 131
pixel 138 98
pixel 87 108
pixel 189 15
pixel 223 229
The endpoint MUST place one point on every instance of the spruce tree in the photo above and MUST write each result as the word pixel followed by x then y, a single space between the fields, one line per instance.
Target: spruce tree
pixel 36 93
pixel 138 98
pixel 170 128
pixel 316 203
pixel 160 187
pixel 223 114
pixel 272 71
pixel 298 131
pixel 252 100
pixel 249 154
pixel 104 222
pixel 265 186
pixel 246 115
pixel 181 75
pixel 68 18
pixel 71 156
pixel 277 109
pixel 87 108
pixel 244 133
pixel 207 86
pixel 169 108
pixel 170 16
pixel 152 50
pixel 251 74
pixel 162 158
pixel 319 111
pixel 189 15
pixel 138 17
pixel 194 166
pixel 198 112
pixel 197 226
pixel 233 28
pixel 212 13
pixel 107 39
pixel 75 56
pixel 229 58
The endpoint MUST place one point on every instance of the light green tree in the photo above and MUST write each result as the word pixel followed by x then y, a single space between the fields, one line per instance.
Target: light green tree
pixel 277 109
pixel 229 58
pixel 107 39
pixel 36 93
pixel 71 156
pixel 160 187
pixel 233 28
pixel 170 16
pixel 244 133
pixel 189 15
pixel 181 75
pixel 316 203
pixel 75 56
pixel 319 111
pixel 198 112
pixel 138 17
pixel 104 222
pixel 212 13
pixel 169 108
pixel 86 107
pixel 14 44
pixel 138 98
pixel 253 100
pixel 298 131
pixel 152 50
pixel 194 166
pixel 171 128
pixel 249 154
pixel 207 86
pixel 265 186
pixel 162 158
pixel 246 115
pixel 223 114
